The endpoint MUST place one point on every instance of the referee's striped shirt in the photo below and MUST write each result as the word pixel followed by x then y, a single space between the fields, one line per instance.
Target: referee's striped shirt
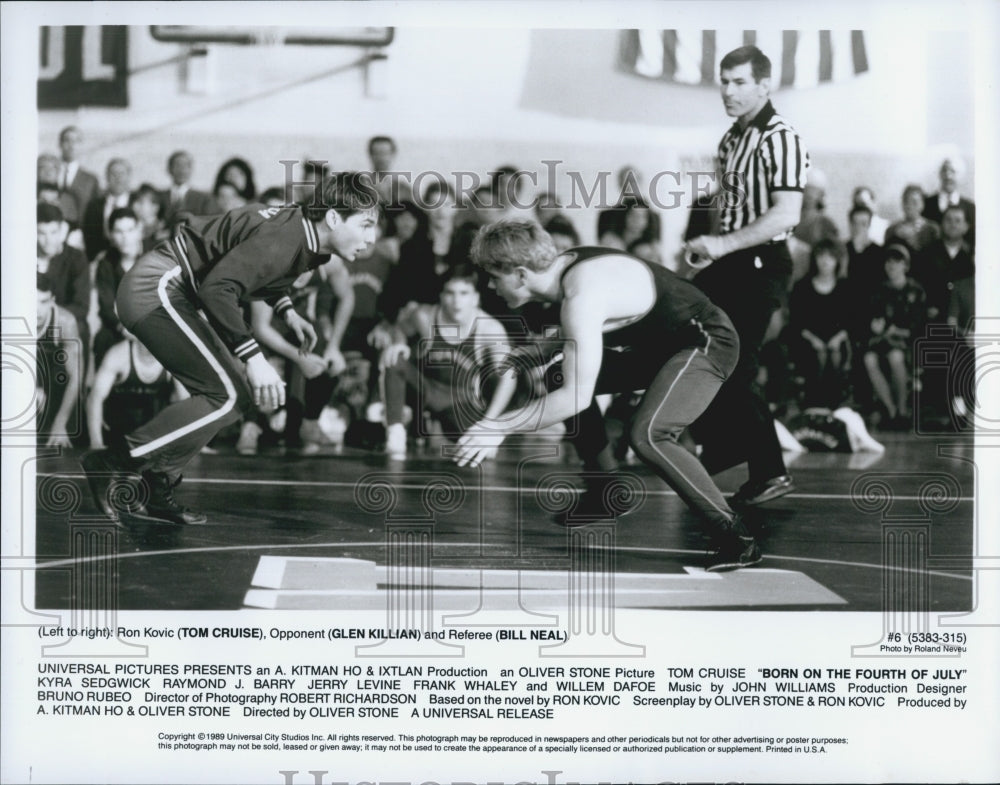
pixel 764 157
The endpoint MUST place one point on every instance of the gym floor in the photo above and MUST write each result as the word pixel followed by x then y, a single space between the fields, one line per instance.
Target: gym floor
pixel 859 531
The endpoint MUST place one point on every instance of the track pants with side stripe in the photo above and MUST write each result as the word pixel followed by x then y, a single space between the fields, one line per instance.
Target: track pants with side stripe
pixel 678 389
pixel 155 303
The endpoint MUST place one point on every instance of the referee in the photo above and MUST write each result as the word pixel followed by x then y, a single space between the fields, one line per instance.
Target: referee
pixel 763 164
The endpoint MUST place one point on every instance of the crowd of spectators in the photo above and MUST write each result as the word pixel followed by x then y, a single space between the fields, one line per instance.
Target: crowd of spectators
pixel 858 305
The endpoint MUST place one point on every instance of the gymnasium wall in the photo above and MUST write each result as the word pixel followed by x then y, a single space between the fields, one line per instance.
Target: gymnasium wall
pixel 474 99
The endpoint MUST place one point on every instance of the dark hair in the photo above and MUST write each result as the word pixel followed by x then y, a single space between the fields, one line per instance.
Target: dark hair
pixel 48 213
pixel 44 282
pixel 951 208
pixel 376 139
pixel 45 185
pixel 913 188
pixel 858 209
pixel 347 193
pixel 249 191
pixel 829 247
pixel 462 272
pixel 760 64
pixel 175 155
pixel 423 222
pixel 121 212
pixel 898 251
pixel 142 192
pixel 560 224
pixel 274 192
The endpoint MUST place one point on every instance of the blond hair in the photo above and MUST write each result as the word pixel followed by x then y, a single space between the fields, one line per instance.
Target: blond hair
pixel 506 245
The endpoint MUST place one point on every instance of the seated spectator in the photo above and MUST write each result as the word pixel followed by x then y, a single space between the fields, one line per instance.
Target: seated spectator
pixel 914 229
pixel 944 261
pixel 819 315
pixel 146 202
pixel 865 259
pixel 814 225
pixel 413 279
pixel 547 207
pixel 438 201
pixel 180 197
pixel 864 196
pixel 563 233
pixel 112 264
pixel 950 176
pixel 237 173
pixel 390 186
pixel 59 356
pixel 898 314
pixel 130 388
pixel 452 356
pixel 66 268
pixel 48 193
pixel 635 224
pixel 96 232
pixel 509 197
pixel 630 192
pixel 310 378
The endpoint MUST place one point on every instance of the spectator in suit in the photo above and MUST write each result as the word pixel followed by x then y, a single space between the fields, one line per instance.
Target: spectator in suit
pixel 950 176
pixel 48 192
pixel 49 174
pixel 65 268
pixel 96 231
pixel 180 197
pixel 73 179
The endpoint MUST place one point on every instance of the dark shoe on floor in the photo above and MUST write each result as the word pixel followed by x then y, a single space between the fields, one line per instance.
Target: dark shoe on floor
pixel 162 505
pixel 751 494
pixel 734 549
pixel 103 468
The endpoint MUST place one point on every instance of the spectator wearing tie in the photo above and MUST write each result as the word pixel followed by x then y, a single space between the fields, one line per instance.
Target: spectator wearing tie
pixel 73 179
pixel 950 175
pixel 180 197
pixel 96 232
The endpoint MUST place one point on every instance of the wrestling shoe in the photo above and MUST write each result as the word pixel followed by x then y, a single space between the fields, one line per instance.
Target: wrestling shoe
pixel 162 505
pixel 734 548
pixel 102 468
pixel 751 494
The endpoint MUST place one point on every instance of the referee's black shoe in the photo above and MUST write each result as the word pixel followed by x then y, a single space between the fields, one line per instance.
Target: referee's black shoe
pixel 734 548
pixel 751 494
pixel 162 505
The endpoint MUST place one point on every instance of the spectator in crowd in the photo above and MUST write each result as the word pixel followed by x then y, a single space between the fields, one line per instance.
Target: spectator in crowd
pixel 112 264
pixel 864 196
pixel 74 181
pixel 943 262
pixel 865 262
pixel 547 207
pixel 96 231
pixel 130 388
pixel 950 176
pixel 438 202
pixel 413 279
pixel 239 174
pixel 452 354
pixel 562 232
pixel 47 192
pixel 382 154
pixel 314 174
pixel 814 225
pixel 146 202
pixel 49 172
pixel 897 316
pixel 180 197
pixel 914 230
pixel 67 271
pixel 60 362
pixel 508 195
pixel 636 225
pixel 630 192
pixel 311 377
pixel 820 309
pixel 646 249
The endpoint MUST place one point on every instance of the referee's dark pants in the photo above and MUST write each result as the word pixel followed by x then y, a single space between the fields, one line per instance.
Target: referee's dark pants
pixel 749 285
pixel 157 305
